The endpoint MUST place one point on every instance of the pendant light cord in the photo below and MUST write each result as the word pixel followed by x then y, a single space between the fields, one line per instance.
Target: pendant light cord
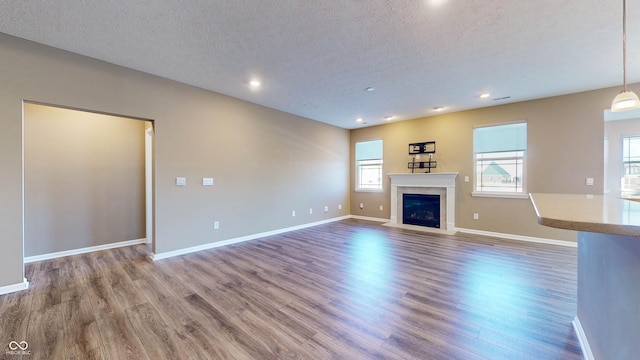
pixel 624 44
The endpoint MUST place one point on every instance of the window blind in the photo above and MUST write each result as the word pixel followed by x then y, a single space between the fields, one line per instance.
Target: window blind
pixel 509 137
pixel 369 150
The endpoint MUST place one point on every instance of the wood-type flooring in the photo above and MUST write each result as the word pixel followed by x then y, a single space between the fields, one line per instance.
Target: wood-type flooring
pixel 345 290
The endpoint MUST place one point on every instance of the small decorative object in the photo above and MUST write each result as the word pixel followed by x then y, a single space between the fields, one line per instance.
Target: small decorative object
pixel 416 149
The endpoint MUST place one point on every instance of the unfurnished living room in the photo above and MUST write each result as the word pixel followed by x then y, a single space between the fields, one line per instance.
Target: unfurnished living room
pixel 412 179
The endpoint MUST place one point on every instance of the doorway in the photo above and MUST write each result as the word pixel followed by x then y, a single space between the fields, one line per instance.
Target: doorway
pixel 622 153
pixel 88 181
pixel 148 181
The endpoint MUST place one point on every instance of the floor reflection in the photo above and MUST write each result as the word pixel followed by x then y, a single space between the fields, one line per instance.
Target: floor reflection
pixel 369 268
pixel 504 303
pixel 493 284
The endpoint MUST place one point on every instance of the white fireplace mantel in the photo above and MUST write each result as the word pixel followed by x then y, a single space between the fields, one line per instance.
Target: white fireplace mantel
pixel 426 180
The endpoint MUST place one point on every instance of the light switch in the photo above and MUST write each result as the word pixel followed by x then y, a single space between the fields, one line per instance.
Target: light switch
pixel 207 181
pixel 181 181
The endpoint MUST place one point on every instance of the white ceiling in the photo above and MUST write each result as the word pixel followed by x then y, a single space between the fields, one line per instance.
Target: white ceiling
pixel 315 58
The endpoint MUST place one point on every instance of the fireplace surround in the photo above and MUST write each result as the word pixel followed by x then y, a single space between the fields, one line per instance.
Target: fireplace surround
pixel 440 184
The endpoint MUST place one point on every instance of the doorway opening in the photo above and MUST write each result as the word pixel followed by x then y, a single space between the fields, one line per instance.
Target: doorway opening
pixel 88 181
pixel 622 153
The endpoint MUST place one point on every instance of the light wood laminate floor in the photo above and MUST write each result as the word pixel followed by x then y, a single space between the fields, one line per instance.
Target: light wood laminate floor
pixel 345 290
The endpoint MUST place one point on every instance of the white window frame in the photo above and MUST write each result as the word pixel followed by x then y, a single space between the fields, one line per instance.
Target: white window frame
pixel 369 161
pixel 517 155
pixel 626 163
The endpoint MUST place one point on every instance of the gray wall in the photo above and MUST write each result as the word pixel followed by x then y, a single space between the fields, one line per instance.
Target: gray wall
pixel 609 294
pixel 265 163
pixel 83 179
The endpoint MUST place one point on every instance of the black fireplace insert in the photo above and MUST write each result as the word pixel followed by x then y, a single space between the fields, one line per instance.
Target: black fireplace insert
pixel 421 209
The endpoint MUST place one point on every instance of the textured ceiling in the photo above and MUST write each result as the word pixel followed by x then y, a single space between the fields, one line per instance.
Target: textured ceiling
pixel 315 58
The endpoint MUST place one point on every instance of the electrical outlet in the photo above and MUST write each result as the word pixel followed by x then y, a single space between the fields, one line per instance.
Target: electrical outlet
pixel 476 216
pixel 326 209
pixel 293 213
pixel 339 206
pixel 361 206
pixel 207 181
pixel 216 225
pixel 589 182
pixel 310 211
pixel 381 207
pixel 466 179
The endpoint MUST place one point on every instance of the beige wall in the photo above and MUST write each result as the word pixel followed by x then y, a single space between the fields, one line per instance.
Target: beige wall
pixel 83 179
pixel 565 137
pixel 265 163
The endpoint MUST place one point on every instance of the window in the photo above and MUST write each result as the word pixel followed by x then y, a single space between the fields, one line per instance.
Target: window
pixel 499 155
pixel 631 163
pixel 369 165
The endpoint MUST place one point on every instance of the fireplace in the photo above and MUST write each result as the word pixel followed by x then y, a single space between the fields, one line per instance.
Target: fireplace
pixel 439 185
pixel 421 209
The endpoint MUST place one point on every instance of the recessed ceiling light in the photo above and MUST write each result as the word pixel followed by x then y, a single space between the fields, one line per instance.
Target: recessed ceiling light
pixel 485 95
pixel 437 2
pixel 370 89
pixel 255 83
pixel 438 108
pixel 389 117
pixel 359 120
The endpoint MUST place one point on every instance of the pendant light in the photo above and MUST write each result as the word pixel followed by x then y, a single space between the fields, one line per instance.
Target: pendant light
pixel 626 99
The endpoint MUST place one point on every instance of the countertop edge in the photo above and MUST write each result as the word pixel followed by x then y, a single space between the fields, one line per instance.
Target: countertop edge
pixel 586 226
pixel 614 229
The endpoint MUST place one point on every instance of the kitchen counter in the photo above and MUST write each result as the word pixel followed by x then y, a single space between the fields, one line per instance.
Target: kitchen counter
pixel 608 300
pixel 593 213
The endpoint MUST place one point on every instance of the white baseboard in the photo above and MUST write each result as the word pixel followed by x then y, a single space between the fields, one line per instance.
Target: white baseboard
pixel 358 217
pixel 168 254
pixel 59 254
pixel 472 231
pixel 519 237
pixel 208 246
pixel 24 285
pixel 582 338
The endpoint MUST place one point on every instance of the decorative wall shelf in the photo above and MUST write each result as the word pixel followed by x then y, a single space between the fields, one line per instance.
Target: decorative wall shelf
pixel 416 149
pixel 428 147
